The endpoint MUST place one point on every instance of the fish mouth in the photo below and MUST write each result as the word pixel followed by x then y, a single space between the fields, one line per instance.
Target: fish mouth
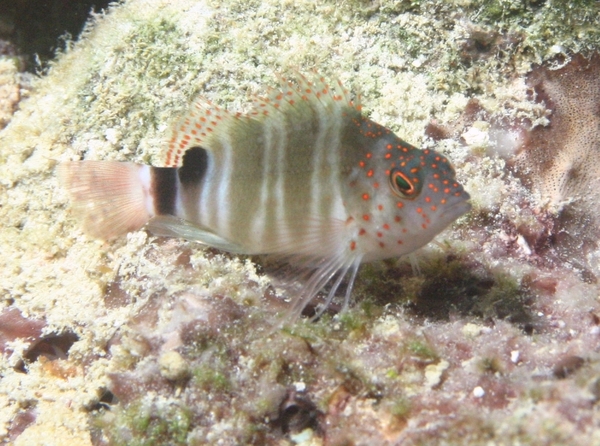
pixel 457 209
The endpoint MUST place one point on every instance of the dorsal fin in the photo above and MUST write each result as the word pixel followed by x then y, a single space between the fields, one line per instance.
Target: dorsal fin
pixel 206 121
pixel 194 129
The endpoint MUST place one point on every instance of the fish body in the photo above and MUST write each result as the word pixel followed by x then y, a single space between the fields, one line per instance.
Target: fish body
pixel 304 175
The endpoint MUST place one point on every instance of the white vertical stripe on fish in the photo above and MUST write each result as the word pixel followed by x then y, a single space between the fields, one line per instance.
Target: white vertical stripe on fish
pixel 259 224
pixel 206 199
pixel 282 230
pixel 333 159
pixel 146 181
pixel 319 153
pixel 224 184
pixel 280 152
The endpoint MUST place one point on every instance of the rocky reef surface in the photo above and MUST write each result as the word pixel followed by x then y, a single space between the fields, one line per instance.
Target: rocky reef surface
pixel 145 340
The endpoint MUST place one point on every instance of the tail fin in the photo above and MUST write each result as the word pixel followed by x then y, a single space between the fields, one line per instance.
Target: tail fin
pixel 109 197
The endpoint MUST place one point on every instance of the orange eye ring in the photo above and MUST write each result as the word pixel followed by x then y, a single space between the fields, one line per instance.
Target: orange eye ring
pixel 402 185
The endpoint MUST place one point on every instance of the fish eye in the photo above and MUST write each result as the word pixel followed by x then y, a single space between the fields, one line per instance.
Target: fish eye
pixel 402 185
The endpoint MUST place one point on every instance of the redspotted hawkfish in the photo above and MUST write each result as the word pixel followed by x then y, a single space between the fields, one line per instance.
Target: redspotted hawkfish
pixel 304 176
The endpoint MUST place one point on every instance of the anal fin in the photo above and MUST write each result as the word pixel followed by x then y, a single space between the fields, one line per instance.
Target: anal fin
pixel 169 226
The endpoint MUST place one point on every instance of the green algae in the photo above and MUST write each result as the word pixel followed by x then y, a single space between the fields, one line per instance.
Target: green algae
pixel 140 424
pixel 211 376
pixel 422 349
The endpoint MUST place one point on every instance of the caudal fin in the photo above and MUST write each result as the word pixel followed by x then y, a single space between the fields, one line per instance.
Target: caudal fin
pixel 109 197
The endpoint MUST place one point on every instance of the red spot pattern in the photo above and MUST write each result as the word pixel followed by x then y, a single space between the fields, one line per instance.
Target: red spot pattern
pixel 193 129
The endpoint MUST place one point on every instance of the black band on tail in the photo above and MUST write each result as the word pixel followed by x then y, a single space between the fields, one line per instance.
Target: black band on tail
pixel 164 189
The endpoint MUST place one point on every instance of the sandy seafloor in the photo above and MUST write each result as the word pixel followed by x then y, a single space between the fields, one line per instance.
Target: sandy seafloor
pixel 494 342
